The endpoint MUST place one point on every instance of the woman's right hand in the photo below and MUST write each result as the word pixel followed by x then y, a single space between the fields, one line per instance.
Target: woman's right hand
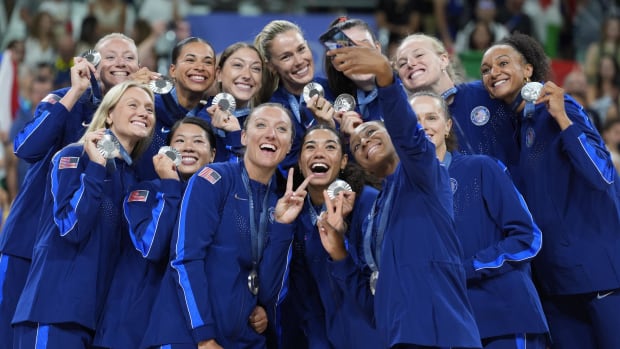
pixel 80 74
pixel 165 167
pixel 349 121
pixel 332 226
pixel 90 146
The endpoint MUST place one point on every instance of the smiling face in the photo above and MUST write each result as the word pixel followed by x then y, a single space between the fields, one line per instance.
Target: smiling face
pixel 267 137
pixel 321 155
pixel 372 148
pixel 433 119
pixel 192 142
pixel 194 68
pixel 504 72
pixel 418 64
pixel 119 59
pixel 291 59
pixel 241 75
pixel 132 118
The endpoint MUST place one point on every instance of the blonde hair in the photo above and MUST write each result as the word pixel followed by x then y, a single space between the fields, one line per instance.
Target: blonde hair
pixel 437 46
pixel 111 36
pixel 110 100
pixel 262 42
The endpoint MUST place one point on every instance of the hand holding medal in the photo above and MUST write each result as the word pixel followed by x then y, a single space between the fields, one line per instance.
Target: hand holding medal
pixel 221 110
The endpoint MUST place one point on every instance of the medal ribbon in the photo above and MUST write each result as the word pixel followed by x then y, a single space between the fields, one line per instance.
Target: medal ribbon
pixel 295 104
pixel 364 99
pixel 382 214
pixel 257 235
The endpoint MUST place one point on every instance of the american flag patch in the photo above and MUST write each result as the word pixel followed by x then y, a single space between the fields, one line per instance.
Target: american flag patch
pixel 138 196
pixel 68 162
pixel 51 98
pixel 210 174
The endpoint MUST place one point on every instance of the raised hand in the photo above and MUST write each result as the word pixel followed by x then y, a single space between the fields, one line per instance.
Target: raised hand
pixel 353 60
pixel 332 225
pixel 90 146
pixel 289 205
pixel 349 121
pixel 322 109
pixel 165 167
pixel 222 119
pixel 553 97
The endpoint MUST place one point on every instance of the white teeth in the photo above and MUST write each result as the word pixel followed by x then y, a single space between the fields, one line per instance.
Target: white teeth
pixel 302 71
pixel 270 147
pixel 197 78
pixel 186 160
pixel 139 123
pixel 499 83
pixel 120 73
pixel 319 167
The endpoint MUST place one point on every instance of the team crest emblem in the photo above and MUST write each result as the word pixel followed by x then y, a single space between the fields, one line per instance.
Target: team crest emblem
pixel 480 115
pixel 530 136
pixel 453 185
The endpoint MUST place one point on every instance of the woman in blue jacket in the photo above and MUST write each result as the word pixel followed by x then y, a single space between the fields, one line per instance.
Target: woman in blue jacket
pixel 328 319
pixel 193 72
pixel 239 72
pixel 290 68
pixel 150 209
pixel 229 250
pixel 498 235
pixel 81 230
pixel 59 119
pixel 413 283
pixel 569 182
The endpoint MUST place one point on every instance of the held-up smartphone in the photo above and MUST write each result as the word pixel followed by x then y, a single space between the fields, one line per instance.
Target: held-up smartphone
pixel 335 38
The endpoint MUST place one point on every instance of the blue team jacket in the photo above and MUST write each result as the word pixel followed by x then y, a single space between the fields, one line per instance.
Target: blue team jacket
pixel 79 241
pixel 150 209
pixel 306 117
pixel 228 144
pixel 330 320
pixel 570 184
pixel 211 256
pixel 483 125
pixel 499 239
pixel 52 128
pixel 421 295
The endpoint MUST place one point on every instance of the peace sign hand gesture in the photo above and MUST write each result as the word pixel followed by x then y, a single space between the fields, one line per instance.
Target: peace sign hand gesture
pixel 289 205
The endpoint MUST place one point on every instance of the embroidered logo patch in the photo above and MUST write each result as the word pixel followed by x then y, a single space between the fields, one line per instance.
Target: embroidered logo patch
pixel 210 174
pixel 138 196
pixel 68 162
pixel 453 185
pixel 480 115
pixel 530 137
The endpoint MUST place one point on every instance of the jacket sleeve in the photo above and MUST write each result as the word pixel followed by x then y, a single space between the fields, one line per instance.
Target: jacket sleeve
pixel 45 130
pixel 199 218
pixel 233 144
pixel 275 264
pixel 522 239
pixel 585 148
pixel 415 150
pixel 353 281
pixel 151 211
pixel 76 186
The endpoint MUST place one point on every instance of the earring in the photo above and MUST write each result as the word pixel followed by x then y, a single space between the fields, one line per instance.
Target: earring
pixel 525 80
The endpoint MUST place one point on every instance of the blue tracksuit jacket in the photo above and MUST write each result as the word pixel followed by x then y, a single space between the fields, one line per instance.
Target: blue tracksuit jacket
pixel 212 256
pixel 329 319
pixel 499 239
pixel 52 128
pixel 79 241
pixel 572 189
pixel 303 118
pixel 483 125
pixel 421 295
pixel 150 209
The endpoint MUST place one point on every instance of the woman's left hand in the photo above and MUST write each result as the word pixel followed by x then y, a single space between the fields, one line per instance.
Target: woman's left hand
pixel 322 109
pixel 223 119
pixel 289 205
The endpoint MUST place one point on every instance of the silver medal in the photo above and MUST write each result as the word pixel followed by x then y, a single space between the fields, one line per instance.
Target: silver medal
pixel 372 283
pixel 225 101
pixel 311 89
pixel 336 187
pixel 253 282
pixel 92 56
pixel 162 85
pixel 172 153
pixel 531 90
pixel 344 102
pixel 109 146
